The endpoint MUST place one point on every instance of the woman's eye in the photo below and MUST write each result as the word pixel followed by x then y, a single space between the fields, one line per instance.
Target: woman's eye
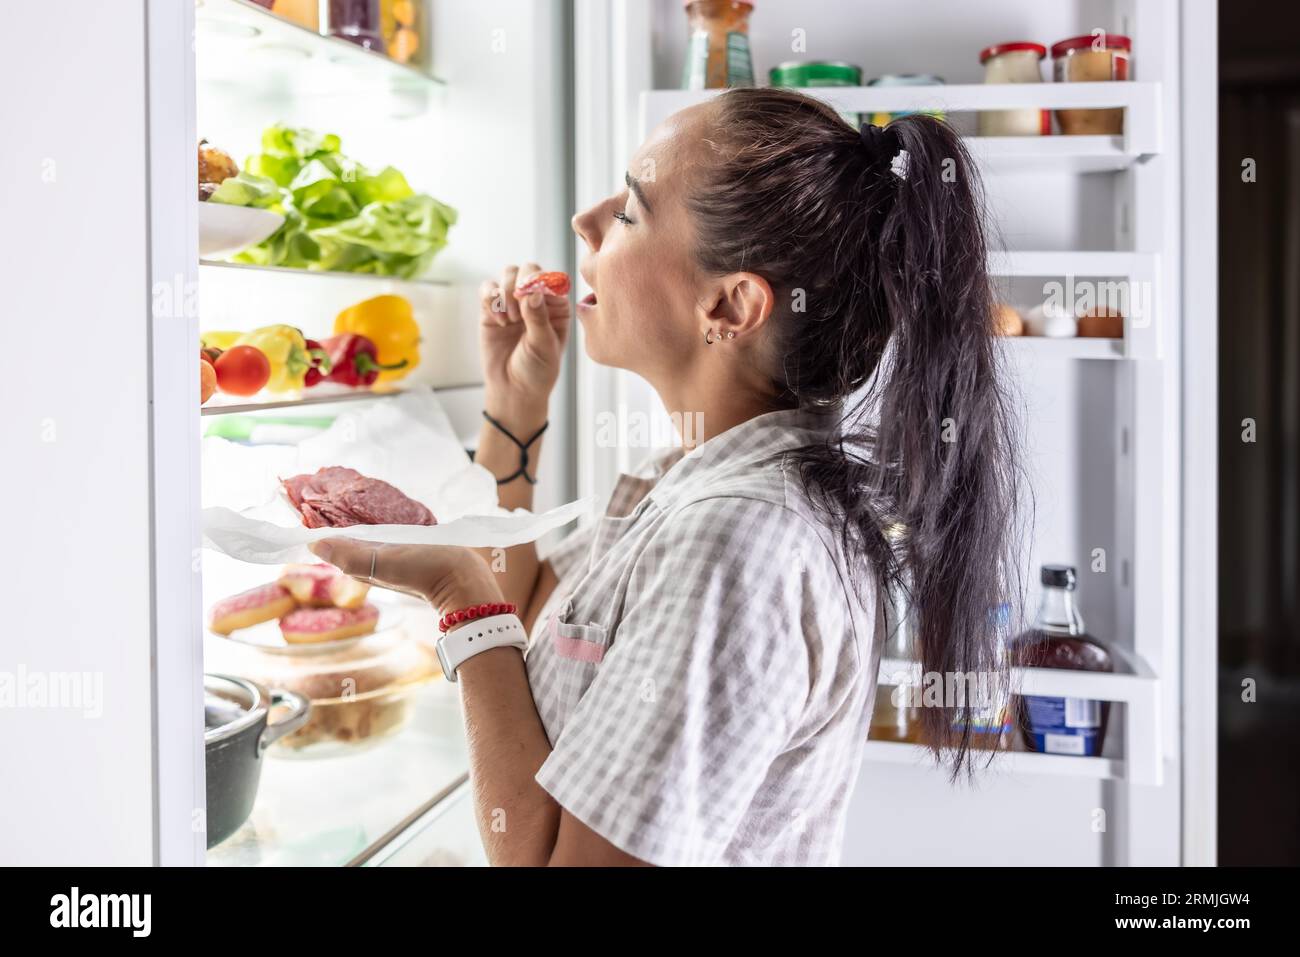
pixel 623 218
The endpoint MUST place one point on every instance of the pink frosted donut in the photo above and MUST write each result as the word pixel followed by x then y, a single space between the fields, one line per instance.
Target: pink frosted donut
pixel 323 586
pixel 308 625
pixel 250 607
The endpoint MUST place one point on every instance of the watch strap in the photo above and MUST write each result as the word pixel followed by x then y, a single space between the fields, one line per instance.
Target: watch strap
pixel 474 637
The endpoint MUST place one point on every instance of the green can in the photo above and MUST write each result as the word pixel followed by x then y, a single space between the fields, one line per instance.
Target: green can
pixel 802 74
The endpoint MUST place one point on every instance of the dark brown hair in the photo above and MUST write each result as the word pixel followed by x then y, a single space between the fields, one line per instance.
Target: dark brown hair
pixel 874 244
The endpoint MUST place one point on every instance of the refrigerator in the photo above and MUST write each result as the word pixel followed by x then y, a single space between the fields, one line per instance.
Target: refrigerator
pixel 517 114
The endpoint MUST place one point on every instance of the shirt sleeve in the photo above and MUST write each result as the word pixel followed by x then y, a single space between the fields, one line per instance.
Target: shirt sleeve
pixel 705 680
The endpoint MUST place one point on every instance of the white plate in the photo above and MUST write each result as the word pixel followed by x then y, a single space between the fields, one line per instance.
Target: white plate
pixel 225 230
pixel 268 637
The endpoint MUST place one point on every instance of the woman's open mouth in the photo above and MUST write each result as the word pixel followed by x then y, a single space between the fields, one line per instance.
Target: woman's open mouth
pixel 588 301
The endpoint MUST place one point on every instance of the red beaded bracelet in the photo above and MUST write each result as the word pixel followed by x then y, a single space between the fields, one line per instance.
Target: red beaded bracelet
pixel 486 610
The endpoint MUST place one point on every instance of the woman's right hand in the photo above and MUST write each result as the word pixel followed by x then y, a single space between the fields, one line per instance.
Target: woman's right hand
pixel 522 345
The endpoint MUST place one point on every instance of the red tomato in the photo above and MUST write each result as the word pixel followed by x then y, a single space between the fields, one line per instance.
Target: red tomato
pixel 242 370
pixel 207 380
pixel 556 283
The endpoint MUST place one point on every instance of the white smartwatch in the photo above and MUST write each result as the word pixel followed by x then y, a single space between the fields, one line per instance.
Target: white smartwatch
pixel 470 638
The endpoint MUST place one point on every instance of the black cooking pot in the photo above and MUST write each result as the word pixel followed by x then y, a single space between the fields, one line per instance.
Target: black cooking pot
pixel 236 732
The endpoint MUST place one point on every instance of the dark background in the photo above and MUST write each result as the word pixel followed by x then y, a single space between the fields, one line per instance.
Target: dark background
pixel 1259 483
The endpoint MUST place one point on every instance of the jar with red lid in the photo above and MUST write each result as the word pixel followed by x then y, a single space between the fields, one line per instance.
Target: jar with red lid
pixel 1096 56
pixel 1014 62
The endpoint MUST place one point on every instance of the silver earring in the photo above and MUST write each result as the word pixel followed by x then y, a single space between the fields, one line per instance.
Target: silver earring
pixel 731 335
pixel 708 340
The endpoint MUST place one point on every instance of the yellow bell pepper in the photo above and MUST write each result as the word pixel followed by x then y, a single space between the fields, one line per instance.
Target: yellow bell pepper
pixel 221 339
pixel 388 322
pixel 286 349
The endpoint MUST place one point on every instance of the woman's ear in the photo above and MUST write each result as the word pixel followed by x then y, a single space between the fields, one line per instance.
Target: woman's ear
pixel 739 306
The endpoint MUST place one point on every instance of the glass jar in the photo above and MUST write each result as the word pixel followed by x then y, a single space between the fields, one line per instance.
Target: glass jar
pixel 818 73
pixel 356 21
pixel 1100 56
pixel 399 23
pixel 717 51
pixel 1015 62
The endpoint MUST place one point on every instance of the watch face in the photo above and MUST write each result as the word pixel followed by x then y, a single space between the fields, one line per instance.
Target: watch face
pixel 448 672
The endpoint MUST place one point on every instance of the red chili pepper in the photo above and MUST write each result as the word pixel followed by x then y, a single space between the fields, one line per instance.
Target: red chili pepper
pixel 320 363
pixel 354 360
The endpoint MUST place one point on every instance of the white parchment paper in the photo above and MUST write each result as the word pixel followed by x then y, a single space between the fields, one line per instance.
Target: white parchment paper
pixel 406 441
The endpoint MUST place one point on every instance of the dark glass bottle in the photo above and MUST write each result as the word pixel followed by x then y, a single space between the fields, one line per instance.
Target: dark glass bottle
pixel 1075 726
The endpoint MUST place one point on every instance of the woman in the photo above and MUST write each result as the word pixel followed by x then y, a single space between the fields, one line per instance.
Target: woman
pixel 703 660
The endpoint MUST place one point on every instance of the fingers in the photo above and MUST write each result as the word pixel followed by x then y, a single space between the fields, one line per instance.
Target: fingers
pixel 418 570
pixel 492 304
pixel 509 278
pixel 346 554
pixel 538 314
pixel 499 307
pixel 387 566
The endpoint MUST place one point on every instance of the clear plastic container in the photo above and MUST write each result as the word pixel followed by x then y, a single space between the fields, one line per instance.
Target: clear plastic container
pixel 1085 59
pixel 717 51
pixel 1015 62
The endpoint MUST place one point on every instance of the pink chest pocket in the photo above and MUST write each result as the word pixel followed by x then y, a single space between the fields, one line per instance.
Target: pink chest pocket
pixel 577 642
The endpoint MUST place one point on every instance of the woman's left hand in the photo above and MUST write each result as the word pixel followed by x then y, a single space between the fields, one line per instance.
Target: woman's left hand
pixel 446 576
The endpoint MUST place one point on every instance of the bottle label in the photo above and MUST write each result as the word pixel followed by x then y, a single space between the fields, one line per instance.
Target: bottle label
pixel 695 71
pixel 740 69
pixel 1063 725
pixel 739 66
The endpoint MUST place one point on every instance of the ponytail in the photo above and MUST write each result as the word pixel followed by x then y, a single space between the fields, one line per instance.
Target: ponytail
pixel 897 332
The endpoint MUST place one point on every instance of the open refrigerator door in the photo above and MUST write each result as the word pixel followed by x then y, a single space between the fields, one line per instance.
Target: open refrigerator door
pixel 1083 189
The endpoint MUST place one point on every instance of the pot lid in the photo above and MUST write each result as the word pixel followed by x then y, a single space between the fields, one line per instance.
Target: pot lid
pixel 230 705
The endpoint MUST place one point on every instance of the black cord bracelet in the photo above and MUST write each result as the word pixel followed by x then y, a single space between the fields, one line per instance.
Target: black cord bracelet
pixel 523 450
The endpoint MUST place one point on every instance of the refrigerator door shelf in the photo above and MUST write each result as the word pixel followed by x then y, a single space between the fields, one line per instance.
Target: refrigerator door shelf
pixel 1138 689
pixel 1140 101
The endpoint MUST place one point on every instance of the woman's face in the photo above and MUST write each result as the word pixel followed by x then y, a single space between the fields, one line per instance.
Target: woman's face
pixel 643 313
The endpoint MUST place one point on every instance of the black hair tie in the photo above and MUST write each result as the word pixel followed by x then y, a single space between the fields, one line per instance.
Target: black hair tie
pixel 881 142
pixel 523 451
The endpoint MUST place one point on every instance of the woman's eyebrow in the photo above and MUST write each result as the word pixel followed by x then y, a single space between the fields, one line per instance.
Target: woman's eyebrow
pixel 635 186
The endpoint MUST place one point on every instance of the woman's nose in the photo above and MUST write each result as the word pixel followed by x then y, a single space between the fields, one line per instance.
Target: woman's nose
pixel 584 224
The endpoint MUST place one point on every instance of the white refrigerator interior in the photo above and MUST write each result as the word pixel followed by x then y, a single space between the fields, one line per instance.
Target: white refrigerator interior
pixel 521 113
